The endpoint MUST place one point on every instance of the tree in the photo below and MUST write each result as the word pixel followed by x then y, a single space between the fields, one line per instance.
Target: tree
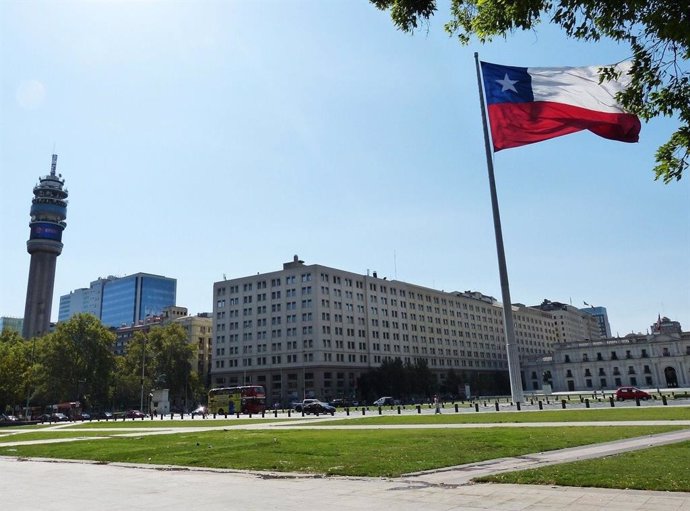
pixel 166 361
pixel 76 362
pixel 15 364
pixel 657 31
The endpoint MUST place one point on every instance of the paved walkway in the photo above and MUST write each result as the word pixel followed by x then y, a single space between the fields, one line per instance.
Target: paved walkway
pixel 63 486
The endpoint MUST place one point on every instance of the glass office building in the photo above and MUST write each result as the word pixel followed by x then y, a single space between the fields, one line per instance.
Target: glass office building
pixel 131 299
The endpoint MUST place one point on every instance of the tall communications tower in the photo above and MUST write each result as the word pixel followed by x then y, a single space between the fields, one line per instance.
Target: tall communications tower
pixel 48 214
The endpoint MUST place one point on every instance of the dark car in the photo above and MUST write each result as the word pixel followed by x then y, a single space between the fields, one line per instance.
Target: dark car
pixel 624 393
pixel 343 403
pixel 298 406
pixel 103 415
pixel 134 414
pixel 58 417
pixel 8 418
pixel 318 408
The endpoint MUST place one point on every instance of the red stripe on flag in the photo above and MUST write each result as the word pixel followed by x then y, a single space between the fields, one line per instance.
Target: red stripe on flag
pixel 517 124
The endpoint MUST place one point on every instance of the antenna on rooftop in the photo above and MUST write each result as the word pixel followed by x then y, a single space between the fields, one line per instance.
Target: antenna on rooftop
pixel 53 165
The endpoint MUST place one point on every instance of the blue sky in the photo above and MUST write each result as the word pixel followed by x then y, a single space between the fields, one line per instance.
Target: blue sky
pixel 202 138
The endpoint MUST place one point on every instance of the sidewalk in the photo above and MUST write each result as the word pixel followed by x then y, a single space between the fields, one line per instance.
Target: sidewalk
pixel 62 486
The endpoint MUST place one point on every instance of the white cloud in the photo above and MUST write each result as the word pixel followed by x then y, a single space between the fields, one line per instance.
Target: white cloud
pixel 31 94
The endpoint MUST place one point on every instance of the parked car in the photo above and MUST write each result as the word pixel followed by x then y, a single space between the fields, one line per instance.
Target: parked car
pixel 103 415
pixel 383 401
pixel 624 393
pixel 201 410
pixel 343 403
pixel 8 418
pixel 134 414
pixel 318 408
pixel 299 406
pixel 58 417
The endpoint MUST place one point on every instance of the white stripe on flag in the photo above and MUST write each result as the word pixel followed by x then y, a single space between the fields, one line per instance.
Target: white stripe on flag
pixel 579 86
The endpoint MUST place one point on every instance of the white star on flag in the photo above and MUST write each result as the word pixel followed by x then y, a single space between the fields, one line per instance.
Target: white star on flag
pixel 507 84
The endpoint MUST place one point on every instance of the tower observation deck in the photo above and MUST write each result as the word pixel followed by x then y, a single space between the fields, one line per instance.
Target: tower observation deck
pixel 48 214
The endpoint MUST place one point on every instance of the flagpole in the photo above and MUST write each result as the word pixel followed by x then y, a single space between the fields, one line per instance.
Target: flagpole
pixel 511 344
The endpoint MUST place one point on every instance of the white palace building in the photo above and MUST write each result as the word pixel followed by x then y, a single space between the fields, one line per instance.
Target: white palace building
pixel 660 359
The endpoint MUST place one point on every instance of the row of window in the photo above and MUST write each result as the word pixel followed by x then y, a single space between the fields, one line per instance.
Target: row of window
pixel 352 358
pixel 628 355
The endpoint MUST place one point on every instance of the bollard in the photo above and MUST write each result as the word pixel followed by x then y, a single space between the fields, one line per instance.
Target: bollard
pixel 586 403
pixel 380 411
pixel 563 404
pixel 275 413
pixel 238 415
pixel 364 411
pixel 303 412
pixel 568 397
pixel 347 411
pixel 476 407
pixel 289 412
pixel 496 405
pixel 518 406
pixel 663 400
pixel 541 405
pixel 419 408
pixel 181 415
pixel 262 414
pixel 456 408
pixel 399 411
pixel 172 415
pixel 547 400
pixel 226 415
pixel 637 401
pixel 613 403
pixel 531 401
pixel 581 400
pixel 250 415
pixel 161 416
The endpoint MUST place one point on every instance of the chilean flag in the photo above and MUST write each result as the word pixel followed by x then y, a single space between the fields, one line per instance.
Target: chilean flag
pixel 531 104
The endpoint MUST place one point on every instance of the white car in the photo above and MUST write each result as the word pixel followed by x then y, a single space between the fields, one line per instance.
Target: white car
pixel 383 401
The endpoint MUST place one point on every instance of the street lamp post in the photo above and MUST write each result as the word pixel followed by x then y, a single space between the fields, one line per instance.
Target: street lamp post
pixel 143 360
pixel 28 383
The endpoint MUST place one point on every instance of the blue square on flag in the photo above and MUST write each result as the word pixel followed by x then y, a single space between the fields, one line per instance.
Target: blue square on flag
pixel 506 84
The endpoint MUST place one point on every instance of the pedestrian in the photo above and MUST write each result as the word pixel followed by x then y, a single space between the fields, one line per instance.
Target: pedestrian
pixel 437 405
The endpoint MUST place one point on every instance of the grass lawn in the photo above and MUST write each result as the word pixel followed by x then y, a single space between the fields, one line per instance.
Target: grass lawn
pixel 587 415
pixel 665 468
pixel 354 452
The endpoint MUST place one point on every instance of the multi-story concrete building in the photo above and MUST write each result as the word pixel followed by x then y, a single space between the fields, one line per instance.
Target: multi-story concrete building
pixel 570 323
pixel 86 299
pixel 48 214
pixel 199 334
pixel 657 360
pixel 312 330
pixel 199 330
pixel 121 301
pixel 8 323
pixel 602 318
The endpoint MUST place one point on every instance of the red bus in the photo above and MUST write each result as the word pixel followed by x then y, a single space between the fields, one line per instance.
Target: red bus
pixel 246 399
